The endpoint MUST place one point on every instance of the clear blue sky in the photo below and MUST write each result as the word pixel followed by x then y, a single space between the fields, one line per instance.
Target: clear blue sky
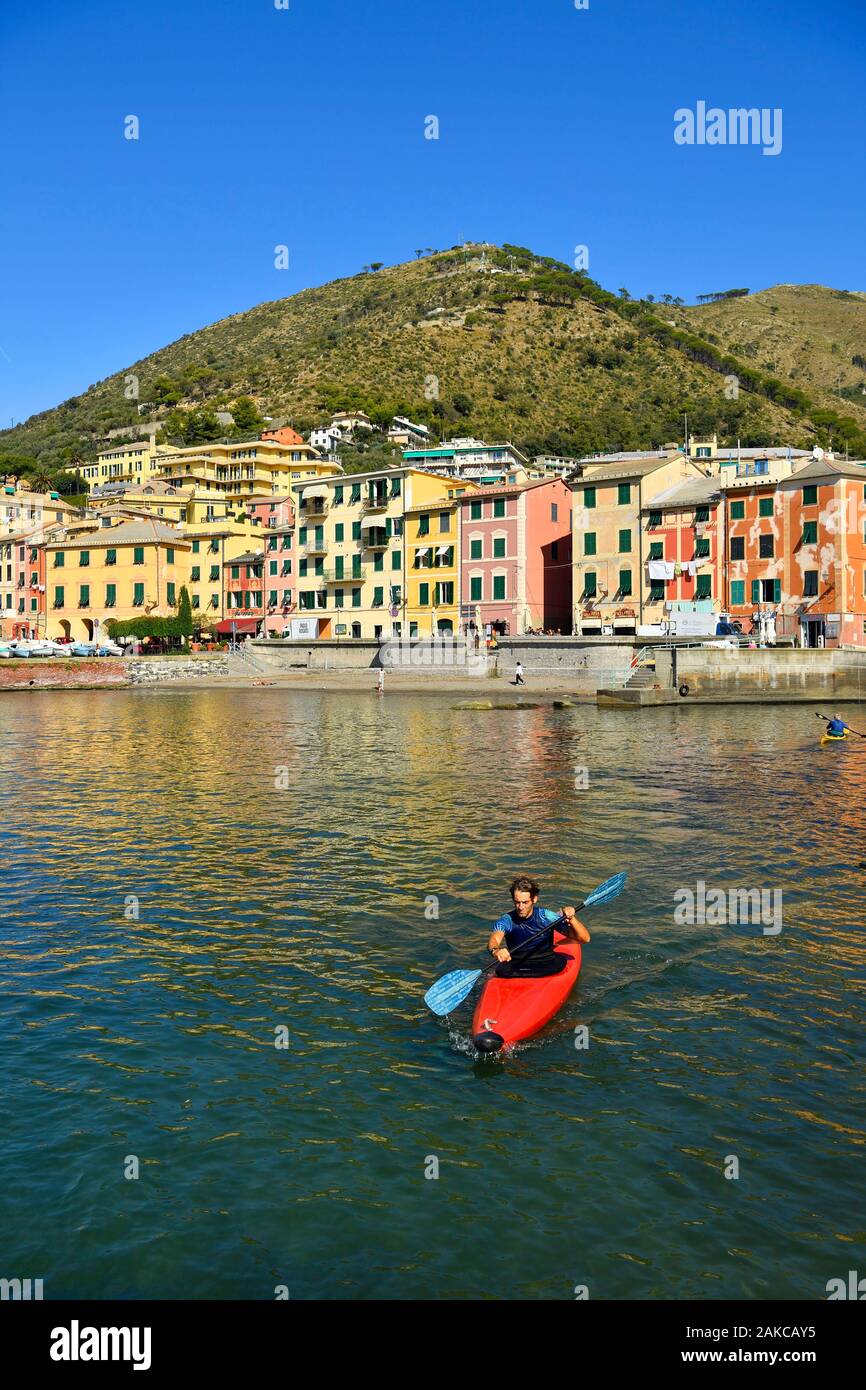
pixel 306 127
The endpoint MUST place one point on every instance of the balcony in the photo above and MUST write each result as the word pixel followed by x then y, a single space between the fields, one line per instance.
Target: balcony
pixel 317 507
pixel 375 504
pixel 315 548
pixel 376 538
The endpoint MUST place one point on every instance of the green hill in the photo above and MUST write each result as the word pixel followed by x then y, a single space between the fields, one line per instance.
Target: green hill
pixel 500 343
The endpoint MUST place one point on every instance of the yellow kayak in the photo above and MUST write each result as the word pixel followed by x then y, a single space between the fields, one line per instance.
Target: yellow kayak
pixel 835 738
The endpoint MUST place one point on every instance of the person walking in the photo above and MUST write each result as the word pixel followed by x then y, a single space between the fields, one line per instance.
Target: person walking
pixel 518 674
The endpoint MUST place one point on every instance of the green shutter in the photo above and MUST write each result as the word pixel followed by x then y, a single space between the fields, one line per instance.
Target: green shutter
pixel 475 550
pixel 58 596
pixel 475 587
pixel 396 559
pixel 738 511
pixel 765 506
pixel 498 506
pixel 110 595
pixel 589 543
pixel 498 547
pixel 475 511
pixel 756 591
pixel 738 593
pixel 423 595
pixel 356 530
pixel 777 591
pixel 138 555
pixel 84 596
pixel 810 496
pixel 589 496
pixel 338 531
pixel 590 580
pixel 810 532
pixel 704 586
pixel 499 586
pixel 338 567
pixel 625 583
pixel 657 550
pixel 623 494
pixel 625 542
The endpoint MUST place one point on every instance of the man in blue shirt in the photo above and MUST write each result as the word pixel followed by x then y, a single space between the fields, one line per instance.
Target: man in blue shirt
pixel 529 921
pixel 837 726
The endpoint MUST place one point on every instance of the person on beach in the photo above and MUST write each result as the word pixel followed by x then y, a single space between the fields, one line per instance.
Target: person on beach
pixel 380 682
pixel 527 920
pixel 518 674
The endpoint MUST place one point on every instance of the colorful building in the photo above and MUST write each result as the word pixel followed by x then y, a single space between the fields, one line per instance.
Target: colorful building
pixel 129 570
pixel 682 557
pixel 515 558
pixel 244 469
pixel 350 553
pixel 432 597
pixel 610 590
pixel 135 463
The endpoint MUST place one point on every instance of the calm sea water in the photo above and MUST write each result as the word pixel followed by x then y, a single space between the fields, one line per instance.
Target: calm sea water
pixel 303 908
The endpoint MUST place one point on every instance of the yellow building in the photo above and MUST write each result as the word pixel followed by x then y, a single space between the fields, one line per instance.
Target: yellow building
pixel 351 548
pixel 123 463
pixel 125 571
pixel 433 565
pixel 176 504
pixel 244 469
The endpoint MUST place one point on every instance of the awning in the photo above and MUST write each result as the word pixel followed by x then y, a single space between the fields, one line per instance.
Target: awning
pixel 443 550
pixel 424 551
pixel 317 490
pixel 372 523
pixel 238 625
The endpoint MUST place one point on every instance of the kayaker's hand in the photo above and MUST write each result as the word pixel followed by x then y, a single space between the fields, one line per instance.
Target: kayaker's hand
pixel 502 955
pixel 576 926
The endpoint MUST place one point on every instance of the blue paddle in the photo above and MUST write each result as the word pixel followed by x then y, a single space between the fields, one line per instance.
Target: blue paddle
pixel 450 990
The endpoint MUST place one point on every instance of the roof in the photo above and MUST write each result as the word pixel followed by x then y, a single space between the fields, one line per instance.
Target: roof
pixel 633 470
pixel 776 451
pixel 128 533
pixel 824 470
pixel 250 557
pixel 693 492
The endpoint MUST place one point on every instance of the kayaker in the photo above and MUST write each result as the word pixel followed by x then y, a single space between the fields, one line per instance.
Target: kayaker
pixel 837 726
pixel 524 921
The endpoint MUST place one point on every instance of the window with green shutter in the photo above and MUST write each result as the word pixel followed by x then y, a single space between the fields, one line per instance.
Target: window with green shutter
pixel 356 530
pixel 590 583
pixel 498 506
pixel 589 496
pixel 810 532
pixel 356 598
pixel 338 597
pixel 338 567
pixel 59 560
pixel 356 493
pixel 396 487
pixel 704 587
pixel 655 520
pixel 58 596
pixel 214 573
pixel 810 583
pixel 195 547
pixel 302 569
pixel 765 506
pixel 111 557
pixel 624 583
pixel 476 588
pixel 84 596
pixel 272 542
pixel 302 535
pixel 423 595
pixel 702 547
pixel 756 591
pixel 777 591
pixel 498 587
pixel 657 590
pixel 338 496
pixel 476 550
pixel 810 496
pixel 196 601
pixel 273 567
pixel 702 514
pixel 356 567
pixel 272 598
pixel 169 554
pixel 379 561
pixel 738 511
pixel 475 511
pixel 236 571
pixel 766 547
pixel 738 547
pixel 738 593
pixel 396 560
pixel 499 547
pixel 170 598
pixel 378 596
pixel 138 555
pixel 338 531
pixel 110 595
pixel 137 595
pixel 623 494
pixel 589 542
pixel 657 550
pixel 424 524
pixel 84 557
pixel 625 542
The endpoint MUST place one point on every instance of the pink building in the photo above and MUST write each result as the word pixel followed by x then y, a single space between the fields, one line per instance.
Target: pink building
pixel 515 557
pixel 276 516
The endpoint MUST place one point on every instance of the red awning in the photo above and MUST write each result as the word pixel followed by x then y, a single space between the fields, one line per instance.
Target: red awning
pixel 238 625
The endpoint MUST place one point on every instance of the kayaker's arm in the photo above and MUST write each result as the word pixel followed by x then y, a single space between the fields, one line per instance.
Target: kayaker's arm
pixel 575 928
pixel 497 947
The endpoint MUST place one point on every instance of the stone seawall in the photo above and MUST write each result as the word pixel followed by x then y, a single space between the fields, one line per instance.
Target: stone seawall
pixel 150 670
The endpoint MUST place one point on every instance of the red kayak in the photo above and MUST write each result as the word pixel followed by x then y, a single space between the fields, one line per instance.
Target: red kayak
pixel 511 1010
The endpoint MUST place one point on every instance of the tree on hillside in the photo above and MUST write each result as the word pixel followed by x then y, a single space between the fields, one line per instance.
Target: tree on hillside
pixel 202 425
pixel 165 391
pixel 245 414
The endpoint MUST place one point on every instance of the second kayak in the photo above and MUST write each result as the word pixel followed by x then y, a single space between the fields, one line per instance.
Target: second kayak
pixel 511 1010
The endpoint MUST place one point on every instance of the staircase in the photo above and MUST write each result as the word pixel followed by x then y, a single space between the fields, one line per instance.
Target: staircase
pixel 243 663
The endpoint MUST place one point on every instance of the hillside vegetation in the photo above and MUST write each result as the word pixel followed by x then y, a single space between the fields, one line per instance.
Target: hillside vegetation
pixel 500 343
